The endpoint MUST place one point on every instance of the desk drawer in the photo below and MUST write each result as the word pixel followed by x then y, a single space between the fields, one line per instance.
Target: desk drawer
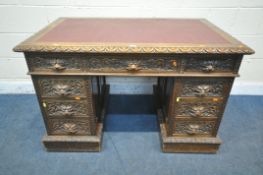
pixel 132 64
pixel 69 126
pixel 211 64
pixel 203 87
pixel 62 87
pixel 194 128
pixel 83 63
pixel 97 64
pixel 66 108
pixel 54 63
pixel 198 110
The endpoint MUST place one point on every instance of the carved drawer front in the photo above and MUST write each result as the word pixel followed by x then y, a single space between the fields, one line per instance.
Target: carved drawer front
pixel 69 127
pixel 194 128
pixel 53 63
pixel 66 108
pixel 204 87
pixel 62 86
pixel 131 64
pixel 76 63
pixel 210 64
pixel 198 110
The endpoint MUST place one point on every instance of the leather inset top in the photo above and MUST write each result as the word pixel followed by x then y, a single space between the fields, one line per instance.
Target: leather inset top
pixel 189 31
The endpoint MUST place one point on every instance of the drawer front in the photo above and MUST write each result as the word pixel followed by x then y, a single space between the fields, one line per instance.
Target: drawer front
pixel 194 128
pixel 211 65
pixel 132 64
pixel 204 87
pixel 76 63
pixel 54 64
pixel 145 63
pixel 62 86
pixel 198 110
pixel 69 127
pixel 67 108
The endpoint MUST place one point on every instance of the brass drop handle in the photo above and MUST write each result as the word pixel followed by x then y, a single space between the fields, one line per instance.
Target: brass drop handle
pixel 208 68
pixel 58 67
pixel 133 67
pixel 193 129
pixel 70 128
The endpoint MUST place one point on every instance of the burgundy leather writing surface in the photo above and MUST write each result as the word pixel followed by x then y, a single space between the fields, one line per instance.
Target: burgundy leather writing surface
pixel 188 31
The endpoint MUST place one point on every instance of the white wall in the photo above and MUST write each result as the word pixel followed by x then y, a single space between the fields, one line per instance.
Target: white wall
pixel 21 18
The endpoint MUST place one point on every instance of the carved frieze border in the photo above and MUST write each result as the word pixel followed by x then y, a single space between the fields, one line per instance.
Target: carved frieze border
pixel 129 49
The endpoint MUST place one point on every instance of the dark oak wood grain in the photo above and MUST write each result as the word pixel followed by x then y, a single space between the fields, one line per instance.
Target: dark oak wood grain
pixel 195 63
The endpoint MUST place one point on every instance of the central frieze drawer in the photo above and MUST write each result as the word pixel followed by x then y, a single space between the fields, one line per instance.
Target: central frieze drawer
pixel 73 63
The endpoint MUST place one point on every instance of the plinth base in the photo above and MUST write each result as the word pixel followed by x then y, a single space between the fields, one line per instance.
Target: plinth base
pixel 188 144
pixel 74 143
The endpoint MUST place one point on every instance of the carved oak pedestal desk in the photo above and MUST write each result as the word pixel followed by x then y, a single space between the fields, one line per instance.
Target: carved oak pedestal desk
pixel 195 64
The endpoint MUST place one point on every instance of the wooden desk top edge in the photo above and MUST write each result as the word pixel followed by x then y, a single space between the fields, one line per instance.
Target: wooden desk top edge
pixel 236 47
